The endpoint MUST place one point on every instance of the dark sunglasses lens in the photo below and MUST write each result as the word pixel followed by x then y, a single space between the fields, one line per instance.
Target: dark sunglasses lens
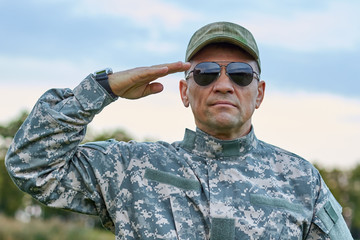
pixel 240 73
pixel 205 73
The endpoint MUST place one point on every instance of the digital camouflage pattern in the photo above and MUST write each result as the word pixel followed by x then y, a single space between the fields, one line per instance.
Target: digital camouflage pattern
pixel 198 188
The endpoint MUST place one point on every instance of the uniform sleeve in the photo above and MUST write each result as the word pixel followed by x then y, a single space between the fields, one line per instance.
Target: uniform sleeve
pixel 45 159
pixel 328 222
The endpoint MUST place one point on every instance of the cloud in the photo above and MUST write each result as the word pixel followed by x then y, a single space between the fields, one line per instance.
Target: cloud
pixel 32 71
pixel 334 27
pixel 153 44
pixel 142 12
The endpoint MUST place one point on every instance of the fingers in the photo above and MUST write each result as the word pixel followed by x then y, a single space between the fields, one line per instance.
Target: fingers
pixel 148 74
pixel 174 67
pixel 153 88
pixel 138 82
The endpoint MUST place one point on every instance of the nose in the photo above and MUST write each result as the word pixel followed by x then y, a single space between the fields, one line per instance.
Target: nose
pixel 223 84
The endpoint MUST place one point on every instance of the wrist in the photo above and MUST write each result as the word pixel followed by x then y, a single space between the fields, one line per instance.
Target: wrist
pixel 102 77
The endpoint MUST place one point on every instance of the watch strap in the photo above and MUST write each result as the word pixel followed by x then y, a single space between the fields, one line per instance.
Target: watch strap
pixel 102 78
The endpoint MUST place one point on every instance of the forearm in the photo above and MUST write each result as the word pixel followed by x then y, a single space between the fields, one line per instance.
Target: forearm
pixel 49 137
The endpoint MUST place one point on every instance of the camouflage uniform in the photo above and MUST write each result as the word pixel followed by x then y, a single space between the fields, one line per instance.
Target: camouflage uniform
pixel 198 188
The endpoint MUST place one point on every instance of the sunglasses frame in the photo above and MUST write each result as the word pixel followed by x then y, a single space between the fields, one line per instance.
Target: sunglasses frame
pixel 221 66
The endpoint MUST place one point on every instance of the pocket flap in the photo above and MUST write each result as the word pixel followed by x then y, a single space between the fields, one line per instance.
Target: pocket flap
pixel 258 199
pixel 171 179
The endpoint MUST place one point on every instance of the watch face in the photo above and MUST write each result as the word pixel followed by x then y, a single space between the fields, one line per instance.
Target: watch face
pixel 107 71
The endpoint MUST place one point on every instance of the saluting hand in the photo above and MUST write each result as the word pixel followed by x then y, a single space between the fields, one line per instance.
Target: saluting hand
pixel 138 82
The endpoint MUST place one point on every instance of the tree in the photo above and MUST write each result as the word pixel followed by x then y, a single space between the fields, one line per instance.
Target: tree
pixel 11 198
pixel 354 200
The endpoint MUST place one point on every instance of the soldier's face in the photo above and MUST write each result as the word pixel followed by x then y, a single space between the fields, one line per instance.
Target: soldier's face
pixel 223 108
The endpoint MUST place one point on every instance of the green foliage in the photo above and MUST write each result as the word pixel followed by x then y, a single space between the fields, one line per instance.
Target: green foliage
pixel 10 196
pixel 354 198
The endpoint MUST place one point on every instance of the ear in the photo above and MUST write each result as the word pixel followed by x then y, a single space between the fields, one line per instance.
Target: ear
pixel 183 86
pixel 261 93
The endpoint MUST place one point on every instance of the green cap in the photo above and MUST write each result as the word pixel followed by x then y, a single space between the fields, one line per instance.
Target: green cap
pixel 223 32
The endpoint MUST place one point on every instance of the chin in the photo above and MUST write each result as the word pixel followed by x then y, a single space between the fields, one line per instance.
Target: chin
pixel 227 124
pixel 227 120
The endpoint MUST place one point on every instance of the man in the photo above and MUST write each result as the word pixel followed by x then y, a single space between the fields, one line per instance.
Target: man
pixel 219 182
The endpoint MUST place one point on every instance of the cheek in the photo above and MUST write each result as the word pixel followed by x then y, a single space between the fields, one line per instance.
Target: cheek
pixel 195 102
pixel 195 95
pixel 247 99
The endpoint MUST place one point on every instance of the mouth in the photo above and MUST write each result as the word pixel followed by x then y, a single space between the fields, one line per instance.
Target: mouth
pixel 223 103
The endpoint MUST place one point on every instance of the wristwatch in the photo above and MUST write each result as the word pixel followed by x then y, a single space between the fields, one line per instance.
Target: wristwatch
pixel 102 78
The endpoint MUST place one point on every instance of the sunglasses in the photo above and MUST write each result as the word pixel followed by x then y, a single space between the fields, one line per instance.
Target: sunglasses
pixel 207 72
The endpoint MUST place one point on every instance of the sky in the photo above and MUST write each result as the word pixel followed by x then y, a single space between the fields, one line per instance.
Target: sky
pixel 309 52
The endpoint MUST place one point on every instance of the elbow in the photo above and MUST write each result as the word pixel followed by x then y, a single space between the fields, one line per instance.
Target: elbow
pixel 17 167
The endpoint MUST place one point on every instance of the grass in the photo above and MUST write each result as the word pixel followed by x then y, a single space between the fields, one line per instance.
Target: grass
pixel 54 229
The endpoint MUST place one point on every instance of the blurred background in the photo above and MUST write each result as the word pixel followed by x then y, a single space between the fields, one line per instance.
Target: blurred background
pixel 309 50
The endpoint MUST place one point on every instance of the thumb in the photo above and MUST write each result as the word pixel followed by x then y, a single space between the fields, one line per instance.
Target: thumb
pixel 153 88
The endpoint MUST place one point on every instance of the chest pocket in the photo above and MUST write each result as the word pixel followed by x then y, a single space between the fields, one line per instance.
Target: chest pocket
pixel 285 220
pixel 188 223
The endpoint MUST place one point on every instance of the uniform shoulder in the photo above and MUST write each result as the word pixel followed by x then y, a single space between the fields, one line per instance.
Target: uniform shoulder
pixel 281 157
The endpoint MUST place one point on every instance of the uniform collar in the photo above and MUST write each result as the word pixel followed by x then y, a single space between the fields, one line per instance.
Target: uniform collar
pixel 203 144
